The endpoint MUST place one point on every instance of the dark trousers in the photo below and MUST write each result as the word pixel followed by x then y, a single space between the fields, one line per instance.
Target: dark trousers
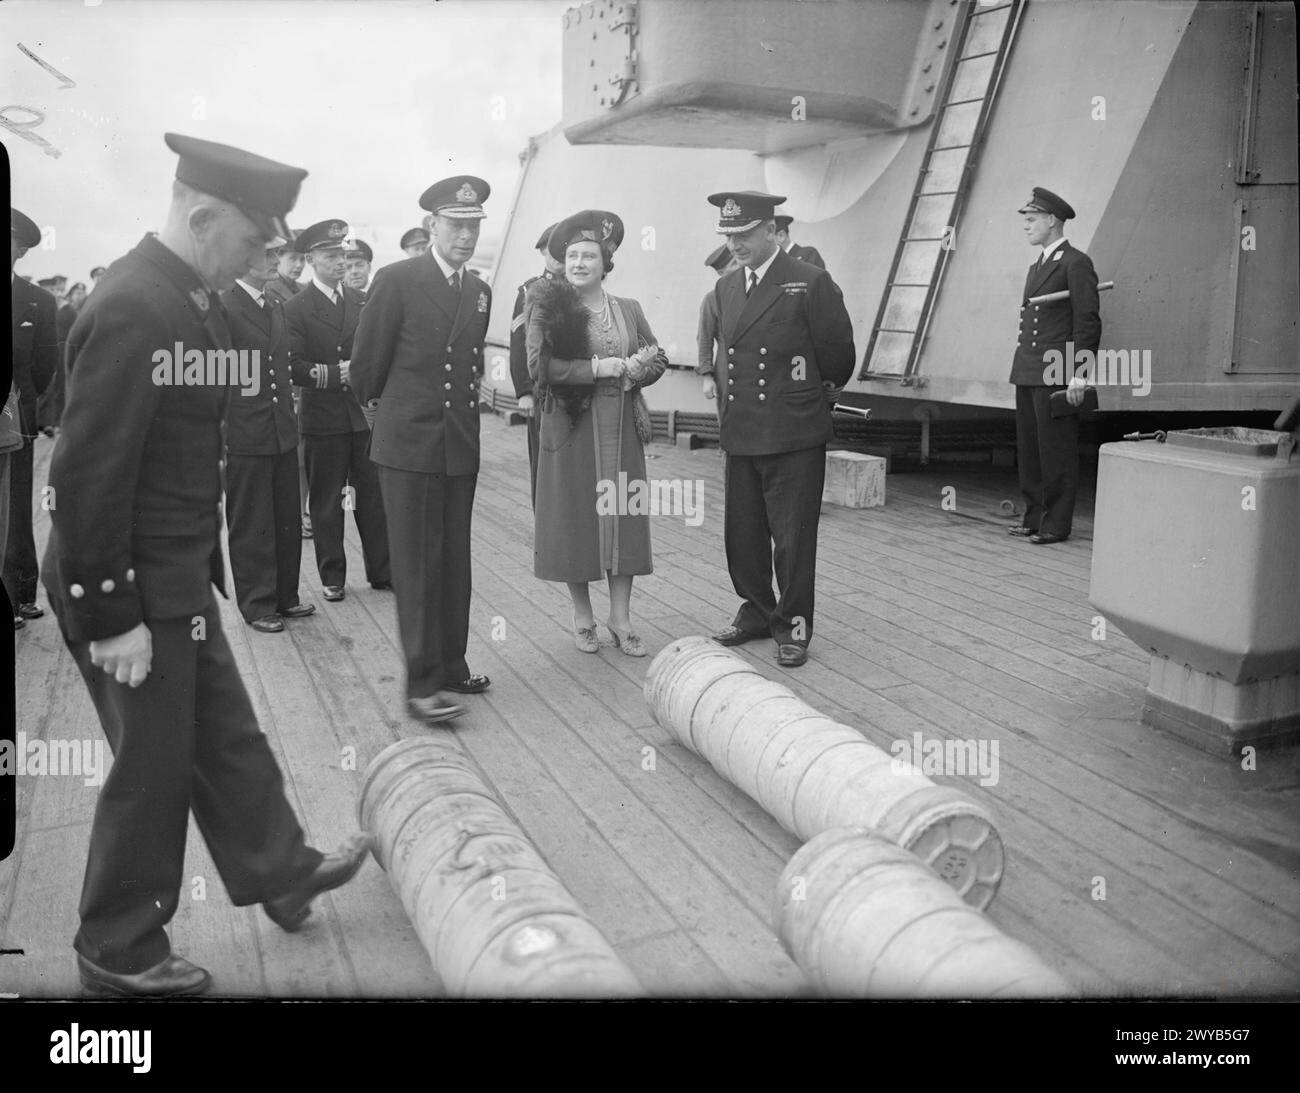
pixel 775 500
pixel 21 569
pixel 534 442
pixel 429 529
pixel 334 462
pixel 185 738
pixel 265 522
pixel 1047 455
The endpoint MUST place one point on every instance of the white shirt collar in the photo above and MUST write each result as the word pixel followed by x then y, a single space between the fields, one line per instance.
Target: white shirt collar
pixel 325 290
pixel 1047 250
pixel 761 271
pixel 255 293
pixel 447 270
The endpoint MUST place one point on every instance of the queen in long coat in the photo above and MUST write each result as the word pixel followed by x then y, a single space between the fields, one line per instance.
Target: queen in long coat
pixel 589 354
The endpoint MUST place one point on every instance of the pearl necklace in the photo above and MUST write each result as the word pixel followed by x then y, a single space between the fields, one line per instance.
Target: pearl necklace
pixel 602 314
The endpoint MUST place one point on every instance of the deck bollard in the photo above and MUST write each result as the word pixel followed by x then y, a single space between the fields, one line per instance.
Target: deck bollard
pixel 864 918
pixel 811 773
pixel 494 919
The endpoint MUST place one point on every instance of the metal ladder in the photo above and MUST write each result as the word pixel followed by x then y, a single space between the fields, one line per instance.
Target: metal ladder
pixel 983 40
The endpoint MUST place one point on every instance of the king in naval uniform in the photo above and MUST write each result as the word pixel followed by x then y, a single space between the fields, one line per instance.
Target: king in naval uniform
pixel 416 367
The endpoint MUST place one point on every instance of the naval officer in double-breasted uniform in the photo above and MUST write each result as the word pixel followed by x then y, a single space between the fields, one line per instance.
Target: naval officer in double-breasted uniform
pixel 787 341
pixel 322 322
pixel 416 366
pixel 262 497
pixel 1047 448
pixel 133 552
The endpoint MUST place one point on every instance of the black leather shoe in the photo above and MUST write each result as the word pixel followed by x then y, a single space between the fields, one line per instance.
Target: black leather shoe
pixel 473 686
pixel 791 656
pixel 1044 540
pixel 268 624
pixel 1020 530
pixel 298 611
pixel 734 635
pixel 382 586
pixel 18 623
pixel 173 977
pixel 334 592
pixel 433 708
pixel 292 909
pixel 30 611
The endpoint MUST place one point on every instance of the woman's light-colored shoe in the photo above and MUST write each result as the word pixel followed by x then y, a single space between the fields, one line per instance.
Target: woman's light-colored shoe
pixel 584 637
pixel 627 643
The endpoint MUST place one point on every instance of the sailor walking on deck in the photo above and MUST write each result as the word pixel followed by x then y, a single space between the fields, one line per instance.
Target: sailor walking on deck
pixel 134 550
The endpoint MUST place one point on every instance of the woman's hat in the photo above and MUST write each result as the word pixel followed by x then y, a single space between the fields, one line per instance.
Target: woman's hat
pixel 596 225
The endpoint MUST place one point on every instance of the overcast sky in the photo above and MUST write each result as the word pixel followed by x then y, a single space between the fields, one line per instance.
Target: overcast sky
pixel 376 99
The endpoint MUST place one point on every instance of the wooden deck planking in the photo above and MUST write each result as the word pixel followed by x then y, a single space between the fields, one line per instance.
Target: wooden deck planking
pixel 928 621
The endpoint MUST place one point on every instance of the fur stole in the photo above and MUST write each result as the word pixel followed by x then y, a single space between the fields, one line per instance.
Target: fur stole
pixel 564 319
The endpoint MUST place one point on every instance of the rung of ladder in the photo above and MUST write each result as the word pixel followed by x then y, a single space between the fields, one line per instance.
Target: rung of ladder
pixel 964 102
pixel 909 284
pixel 894 330
pixel 977 56
pixel 948 148
pixel 936 193
pixel 924 238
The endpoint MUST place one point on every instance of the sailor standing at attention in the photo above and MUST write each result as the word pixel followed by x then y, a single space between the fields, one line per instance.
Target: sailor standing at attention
pixel 1047 448
pixel 322 321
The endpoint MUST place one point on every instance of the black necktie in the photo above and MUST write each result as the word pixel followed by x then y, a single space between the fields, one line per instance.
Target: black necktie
pixel 751 279
pixel 454 280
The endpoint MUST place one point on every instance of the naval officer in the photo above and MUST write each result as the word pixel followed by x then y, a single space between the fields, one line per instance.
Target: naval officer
pixel 322 321
pixel 1047 448
pixel 414 242
pixel 709 350
pixel 794 250
pixel 551 269
pixel 788 343
pixel 36 361
pixel 262 498
pixel 416 366
pixel 133 552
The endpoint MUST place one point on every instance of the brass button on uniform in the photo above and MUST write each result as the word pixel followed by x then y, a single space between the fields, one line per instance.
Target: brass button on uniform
pixel 762 383
pixel 130 575
pixel 107 586
pixel 447 385
pixel 76 591
pixel 731 398
pixel 761 366
pixel 448 368
pixel 730 352
pixel 762 352
pixel 446 403
pixel 761 397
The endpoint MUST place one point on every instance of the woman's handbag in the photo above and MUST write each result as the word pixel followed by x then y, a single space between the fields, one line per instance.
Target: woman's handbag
pixel 11 430
pixel 645 429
